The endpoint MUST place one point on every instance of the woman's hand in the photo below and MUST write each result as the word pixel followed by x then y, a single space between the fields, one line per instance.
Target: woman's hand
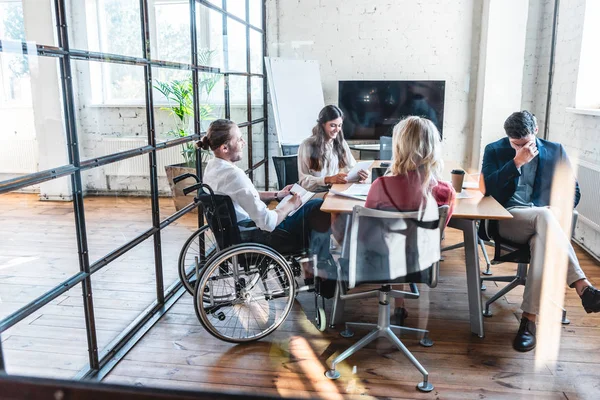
pixel 363 175
pixel 339 178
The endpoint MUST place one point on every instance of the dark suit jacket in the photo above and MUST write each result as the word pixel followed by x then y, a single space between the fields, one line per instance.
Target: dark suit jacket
pixel 501 175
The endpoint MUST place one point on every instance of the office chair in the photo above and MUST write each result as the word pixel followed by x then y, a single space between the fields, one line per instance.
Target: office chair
pixel 507 251
pixel 388 247
pixel 385 148
pixel 286 168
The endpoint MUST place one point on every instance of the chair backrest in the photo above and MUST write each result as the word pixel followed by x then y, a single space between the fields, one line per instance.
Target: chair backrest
pixel 286 168
pixel 395 247
pixel 220 216
pixel 385 148
pixel 289 149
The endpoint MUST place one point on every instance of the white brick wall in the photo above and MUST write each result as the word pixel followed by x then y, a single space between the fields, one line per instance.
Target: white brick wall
pixel 387 39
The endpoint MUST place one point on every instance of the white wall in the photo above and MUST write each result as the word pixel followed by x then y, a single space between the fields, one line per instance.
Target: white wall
pixel 501 68
pixel 384 39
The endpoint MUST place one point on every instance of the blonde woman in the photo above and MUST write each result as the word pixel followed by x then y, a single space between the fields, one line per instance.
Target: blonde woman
pixel 413 176
pixel 325 158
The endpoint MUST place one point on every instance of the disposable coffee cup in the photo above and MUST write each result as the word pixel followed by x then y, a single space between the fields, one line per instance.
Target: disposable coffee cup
pixel 458 176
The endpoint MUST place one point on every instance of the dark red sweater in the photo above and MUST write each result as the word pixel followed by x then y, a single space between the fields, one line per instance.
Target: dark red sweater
pixel 403 193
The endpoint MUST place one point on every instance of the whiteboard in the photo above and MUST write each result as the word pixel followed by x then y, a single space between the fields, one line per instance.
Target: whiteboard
pixel 296 95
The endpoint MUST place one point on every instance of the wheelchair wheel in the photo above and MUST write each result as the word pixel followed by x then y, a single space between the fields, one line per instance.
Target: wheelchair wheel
pixel 244 293
pixel 193 256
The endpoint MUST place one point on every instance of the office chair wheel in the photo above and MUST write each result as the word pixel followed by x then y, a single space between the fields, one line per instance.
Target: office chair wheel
pixel 425 387
pixel 251 292
pixel 346 333
pixel 197 249
pixel 321 319
pixel 426 342
pixel 332 374
pixel 487 313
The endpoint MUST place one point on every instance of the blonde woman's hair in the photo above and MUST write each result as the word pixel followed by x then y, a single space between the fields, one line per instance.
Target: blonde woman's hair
pixel 416 147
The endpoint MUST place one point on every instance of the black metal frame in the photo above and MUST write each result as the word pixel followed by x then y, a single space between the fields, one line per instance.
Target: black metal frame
pixel 100 364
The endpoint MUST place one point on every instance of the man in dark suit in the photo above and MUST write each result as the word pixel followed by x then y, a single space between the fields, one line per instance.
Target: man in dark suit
pixel 518 172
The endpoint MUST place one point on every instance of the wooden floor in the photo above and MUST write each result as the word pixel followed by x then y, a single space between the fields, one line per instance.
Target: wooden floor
pixel 178 353
pixel 38 251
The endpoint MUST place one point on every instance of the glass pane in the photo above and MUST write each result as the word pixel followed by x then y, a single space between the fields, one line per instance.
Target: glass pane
pixel 173 237
pixel 256 13
pixel 122 290
pixel 32 132
pixel 174 104
pixel 173 32
pixel 111 111
pixel 38 249
pixel 238 98
pixel 258 178
pixel 39 28
pixel 237 8
pixel 117 204
pixel 258 153
pixel 209 26
pixel 218 3
pixel 211 93
pixel 256 52
pixel 108 26
pixel 257 96
pixel 52 342
pixel 236 46
pixel 170 164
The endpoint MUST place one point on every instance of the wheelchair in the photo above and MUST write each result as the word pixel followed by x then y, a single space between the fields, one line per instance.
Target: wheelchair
pixel 242 291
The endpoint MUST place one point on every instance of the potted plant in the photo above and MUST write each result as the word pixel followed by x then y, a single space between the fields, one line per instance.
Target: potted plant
pixel 179 95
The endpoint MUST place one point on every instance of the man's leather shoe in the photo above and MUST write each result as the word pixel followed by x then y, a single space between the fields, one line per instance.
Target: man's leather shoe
pixel 590 298
pixel 525 339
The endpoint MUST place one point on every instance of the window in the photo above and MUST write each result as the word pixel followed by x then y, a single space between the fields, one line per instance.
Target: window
pixel 588 82
pixel 15 82
pixel 114 27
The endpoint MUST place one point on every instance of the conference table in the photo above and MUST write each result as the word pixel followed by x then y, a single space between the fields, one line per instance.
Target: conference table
pixel 470 207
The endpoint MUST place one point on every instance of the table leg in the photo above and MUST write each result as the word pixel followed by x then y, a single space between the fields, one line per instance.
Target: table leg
pixel 469 229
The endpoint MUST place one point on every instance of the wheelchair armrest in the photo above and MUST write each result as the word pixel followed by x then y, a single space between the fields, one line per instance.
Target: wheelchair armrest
pixel 192 188
pixel 181 177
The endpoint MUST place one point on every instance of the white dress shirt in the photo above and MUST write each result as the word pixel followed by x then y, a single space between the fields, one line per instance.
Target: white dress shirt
pixel 226 178
pixel 313 180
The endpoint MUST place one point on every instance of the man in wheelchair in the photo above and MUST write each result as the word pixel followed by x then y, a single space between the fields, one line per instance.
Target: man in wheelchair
pixel 307 229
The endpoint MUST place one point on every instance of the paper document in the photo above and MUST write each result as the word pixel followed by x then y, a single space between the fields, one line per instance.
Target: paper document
pixel 352 196
pixel 305 195
pixel 353 173
pixel 355 191
pixel 359 189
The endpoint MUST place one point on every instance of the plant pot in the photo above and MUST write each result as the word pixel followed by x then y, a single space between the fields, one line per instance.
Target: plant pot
pixel 179 199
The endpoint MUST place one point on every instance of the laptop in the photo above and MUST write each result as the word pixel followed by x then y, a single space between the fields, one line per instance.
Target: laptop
pixel 377 172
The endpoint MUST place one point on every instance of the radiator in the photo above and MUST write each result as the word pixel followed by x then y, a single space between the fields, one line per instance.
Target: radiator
pixel 589 181
pixel 138 165
pixel 18 156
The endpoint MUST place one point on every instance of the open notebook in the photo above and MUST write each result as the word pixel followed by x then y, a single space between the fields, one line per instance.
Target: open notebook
pixel 305 195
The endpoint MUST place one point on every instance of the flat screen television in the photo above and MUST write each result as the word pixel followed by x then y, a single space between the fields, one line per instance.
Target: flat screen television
pixel 372 108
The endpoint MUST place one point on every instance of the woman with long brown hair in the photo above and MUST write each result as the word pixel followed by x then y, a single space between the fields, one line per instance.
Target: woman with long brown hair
pixel 325 158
